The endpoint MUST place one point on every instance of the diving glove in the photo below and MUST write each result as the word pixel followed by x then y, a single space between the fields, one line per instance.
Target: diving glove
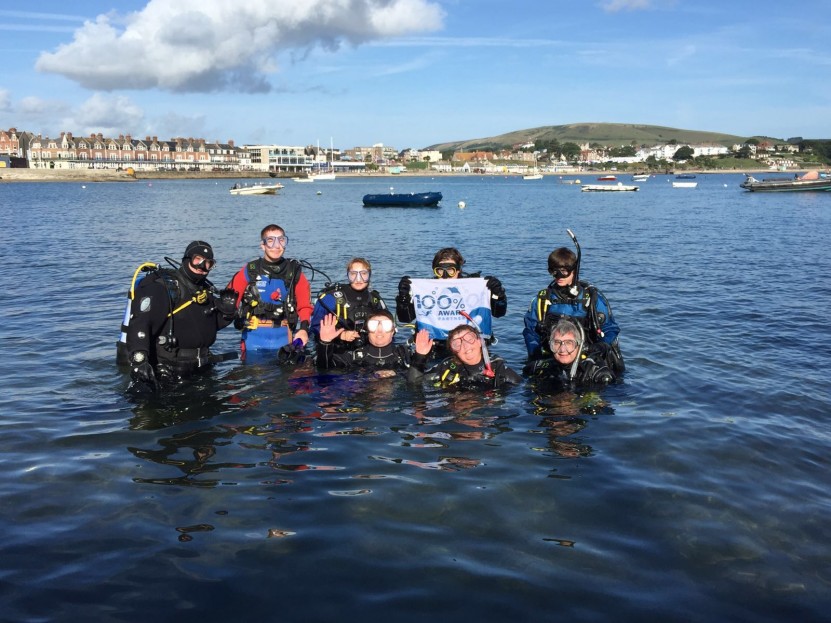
pixel 495 286
pixel 404 288
pixel 227 302
pixel 141 371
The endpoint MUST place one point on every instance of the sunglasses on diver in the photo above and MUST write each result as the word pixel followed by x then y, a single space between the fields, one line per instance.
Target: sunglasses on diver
pixel 202 263
pixel 385 323
pixel 442 271
pixel 273 241
pixel 354 274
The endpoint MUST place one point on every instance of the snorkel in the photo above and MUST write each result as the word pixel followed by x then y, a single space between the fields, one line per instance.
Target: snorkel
pixel 575 284
pixel 581 341
pixel 488 371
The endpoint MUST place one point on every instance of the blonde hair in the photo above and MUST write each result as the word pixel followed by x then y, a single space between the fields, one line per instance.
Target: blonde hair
pixel 359 260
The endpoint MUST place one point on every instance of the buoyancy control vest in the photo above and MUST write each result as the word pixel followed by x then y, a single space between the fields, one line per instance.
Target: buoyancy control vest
pixel 181 293
pixel 551 306
pixel 270 294
pixel 351 306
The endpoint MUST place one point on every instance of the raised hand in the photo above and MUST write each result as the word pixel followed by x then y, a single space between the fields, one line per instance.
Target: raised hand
pixel 423 342
pixel 404 288
pixel 329 328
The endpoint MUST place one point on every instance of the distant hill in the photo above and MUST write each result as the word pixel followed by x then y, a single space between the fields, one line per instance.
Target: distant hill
pixel 609 134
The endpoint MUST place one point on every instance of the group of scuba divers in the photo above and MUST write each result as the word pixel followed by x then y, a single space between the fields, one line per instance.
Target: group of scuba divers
pixel 174 314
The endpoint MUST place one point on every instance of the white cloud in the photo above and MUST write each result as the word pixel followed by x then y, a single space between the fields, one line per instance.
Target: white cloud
pixel 108 115
pixel 36 108
pixel 613 6
pixel 50 117
pixel 681 55
pixel 215 45
pixel 175 124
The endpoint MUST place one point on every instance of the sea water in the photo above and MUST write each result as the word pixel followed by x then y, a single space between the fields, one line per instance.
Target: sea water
pixel 696 490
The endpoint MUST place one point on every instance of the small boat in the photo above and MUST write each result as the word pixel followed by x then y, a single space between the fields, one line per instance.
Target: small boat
pixel 329 173
pixel 640 177
pixel 533 174
pixel 256 189
pixel 303 180
pixel 684 184
pixel 607 178
pixel 685 176
pixel 587 188
pixel 403 200
pixel 810 181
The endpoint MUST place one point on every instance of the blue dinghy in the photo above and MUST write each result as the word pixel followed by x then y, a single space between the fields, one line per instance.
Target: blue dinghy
pixel 403 200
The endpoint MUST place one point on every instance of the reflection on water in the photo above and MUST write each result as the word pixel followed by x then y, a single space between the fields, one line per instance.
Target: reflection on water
pixel 695 491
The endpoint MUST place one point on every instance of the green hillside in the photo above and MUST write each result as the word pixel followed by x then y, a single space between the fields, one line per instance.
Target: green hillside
pixel 610 134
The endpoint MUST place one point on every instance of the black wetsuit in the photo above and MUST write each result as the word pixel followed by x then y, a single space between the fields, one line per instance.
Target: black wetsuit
pixel 173 322
pixel 390 357
pixel 453 373
pixel 592 370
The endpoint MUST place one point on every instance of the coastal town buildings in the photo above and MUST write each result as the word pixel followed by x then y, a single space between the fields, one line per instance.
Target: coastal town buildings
pixel 150 153
pixel 14 146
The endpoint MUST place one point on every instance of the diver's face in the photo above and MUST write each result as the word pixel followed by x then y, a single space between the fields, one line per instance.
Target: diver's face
pixel 274 244
pixel 467 347
pixel 564 347
pixel 380 331
pixel 564 275
pixel 358 275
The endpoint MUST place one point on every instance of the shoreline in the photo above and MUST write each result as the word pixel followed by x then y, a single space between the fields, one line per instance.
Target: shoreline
pixel 9 175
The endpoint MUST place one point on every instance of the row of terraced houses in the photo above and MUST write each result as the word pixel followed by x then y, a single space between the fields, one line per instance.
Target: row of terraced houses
pixel 185 154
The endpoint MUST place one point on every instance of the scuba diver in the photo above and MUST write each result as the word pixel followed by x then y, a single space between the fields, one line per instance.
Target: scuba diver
pixel 350 303
pixel 573 362
pixel 567 296
pixel 274 296
pixel 380 354
pixel 173 317
pixel 447 264
pixel 469 366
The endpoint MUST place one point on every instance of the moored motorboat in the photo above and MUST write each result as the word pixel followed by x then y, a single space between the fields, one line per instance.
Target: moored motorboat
pixel 684 184
pixel 532 176
pixel 810 181
pixel 403 200
pixel 607 178
pixel 607 187
pixel 685 176
pixel 256 189
pixel 640 177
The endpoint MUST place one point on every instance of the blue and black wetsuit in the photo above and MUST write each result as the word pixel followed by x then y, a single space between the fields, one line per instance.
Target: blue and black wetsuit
pixel 352 307
pixel 588 307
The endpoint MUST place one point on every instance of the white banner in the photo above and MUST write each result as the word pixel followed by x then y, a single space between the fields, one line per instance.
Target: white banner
pixel 439 301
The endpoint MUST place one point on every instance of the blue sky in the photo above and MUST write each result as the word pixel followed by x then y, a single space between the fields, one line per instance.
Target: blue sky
pixel 411 73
